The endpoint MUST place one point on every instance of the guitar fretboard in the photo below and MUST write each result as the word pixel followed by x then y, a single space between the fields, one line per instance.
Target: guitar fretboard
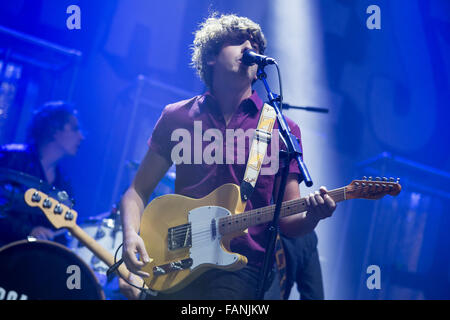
pixel 239 222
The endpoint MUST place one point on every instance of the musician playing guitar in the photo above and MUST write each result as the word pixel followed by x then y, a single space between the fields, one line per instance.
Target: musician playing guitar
pixel 230 104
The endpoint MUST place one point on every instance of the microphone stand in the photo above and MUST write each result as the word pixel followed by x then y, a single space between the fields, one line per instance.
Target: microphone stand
pixel 313 109
pixel 293 152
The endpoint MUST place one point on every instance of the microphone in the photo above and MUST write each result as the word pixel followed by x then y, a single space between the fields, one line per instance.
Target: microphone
pixel 250 57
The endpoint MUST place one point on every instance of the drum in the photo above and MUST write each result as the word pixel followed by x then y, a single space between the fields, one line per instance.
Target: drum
pixel 45 270
pixel 108 233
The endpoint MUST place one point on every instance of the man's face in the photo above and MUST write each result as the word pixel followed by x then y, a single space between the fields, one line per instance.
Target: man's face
pixel 229 60
pixel 70 137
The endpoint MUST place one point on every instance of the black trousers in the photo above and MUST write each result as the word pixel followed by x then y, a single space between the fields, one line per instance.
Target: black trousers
pixel 303 266
pixel 219 285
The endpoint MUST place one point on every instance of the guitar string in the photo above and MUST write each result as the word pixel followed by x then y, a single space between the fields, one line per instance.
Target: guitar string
pixel 180 233
pixel 207 230
pixel 251 214
pixel 206 233
pixel 199 237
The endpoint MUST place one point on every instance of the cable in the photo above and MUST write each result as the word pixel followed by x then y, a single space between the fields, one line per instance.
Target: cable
pixel 144 291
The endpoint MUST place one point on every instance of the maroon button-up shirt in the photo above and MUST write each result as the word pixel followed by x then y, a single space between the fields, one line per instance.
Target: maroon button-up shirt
pixel 197 176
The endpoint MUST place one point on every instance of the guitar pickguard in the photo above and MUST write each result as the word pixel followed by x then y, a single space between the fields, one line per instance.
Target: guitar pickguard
pixel 206 246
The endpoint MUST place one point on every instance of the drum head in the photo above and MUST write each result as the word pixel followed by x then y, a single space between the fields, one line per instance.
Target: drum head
pixel 44 270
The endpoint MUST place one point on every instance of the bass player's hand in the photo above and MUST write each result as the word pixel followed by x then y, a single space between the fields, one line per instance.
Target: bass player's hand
pixel 130 292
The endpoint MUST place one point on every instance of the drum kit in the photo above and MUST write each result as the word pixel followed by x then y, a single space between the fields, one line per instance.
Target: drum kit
pixel 34 269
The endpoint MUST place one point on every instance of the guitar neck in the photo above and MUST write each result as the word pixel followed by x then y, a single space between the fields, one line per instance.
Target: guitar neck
pixel 239 222
pixel 98 250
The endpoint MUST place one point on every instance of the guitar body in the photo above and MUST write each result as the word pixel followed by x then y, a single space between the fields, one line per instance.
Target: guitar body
pixel 182 237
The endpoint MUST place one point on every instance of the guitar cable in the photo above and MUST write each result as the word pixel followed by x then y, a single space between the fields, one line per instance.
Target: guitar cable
pixel 144 291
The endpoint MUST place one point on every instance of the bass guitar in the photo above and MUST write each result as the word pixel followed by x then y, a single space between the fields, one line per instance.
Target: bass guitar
pixel 61 216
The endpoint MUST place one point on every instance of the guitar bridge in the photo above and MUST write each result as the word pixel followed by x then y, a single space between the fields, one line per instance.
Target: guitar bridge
pixel 179 237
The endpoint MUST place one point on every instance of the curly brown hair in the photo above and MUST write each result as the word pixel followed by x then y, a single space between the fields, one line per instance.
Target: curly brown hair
pixel 47 120
pixel 214 32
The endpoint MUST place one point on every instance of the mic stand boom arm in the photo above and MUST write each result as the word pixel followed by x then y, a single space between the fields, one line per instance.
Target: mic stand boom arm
pixel 293 152
pixel 313 109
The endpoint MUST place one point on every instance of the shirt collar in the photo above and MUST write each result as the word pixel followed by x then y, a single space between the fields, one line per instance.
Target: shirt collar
pixel 254 102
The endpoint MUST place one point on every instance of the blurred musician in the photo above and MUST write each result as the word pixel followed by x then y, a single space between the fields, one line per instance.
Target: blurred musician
pixel 53 133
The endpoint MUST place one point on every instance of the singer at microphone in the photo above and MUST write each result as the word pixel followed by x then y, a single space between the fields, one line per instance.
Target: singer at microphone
pixel 250 57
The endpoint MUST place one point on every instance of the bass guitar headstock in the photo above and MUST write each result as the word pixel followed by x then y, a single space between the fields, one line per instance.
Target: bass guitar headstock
pixel 59 214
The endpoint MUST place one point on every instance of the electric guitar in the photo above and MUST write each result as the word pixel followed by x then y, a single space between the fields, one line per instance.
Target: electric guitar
pixel 186 237
pixel 61 216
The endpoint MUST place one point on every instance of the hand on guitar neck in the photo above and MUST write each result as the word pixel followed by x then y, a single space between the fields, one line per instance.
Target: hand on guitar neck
pixel 320 204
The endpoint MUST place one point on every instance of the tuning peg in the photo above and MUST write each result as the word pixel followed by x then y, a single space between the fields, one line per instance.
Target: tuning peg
pixel 58 209
pixel 378 178
pixel 36 197
pixel 357 184
pixel 370 178
pixel 47 203
pixel 69 215
pixel 391 179
pixel 364 178
pixel 398 180
pixel 385 179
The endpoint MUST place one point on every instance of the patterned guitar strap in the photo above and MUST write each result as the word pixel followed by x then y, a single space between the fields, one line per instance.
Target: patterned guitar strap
pixel 261 140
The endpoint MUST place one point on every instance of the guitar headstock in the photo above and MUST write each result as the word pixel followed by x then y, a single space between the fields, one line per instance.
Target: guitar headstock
pixel 60 215
pixel 373 189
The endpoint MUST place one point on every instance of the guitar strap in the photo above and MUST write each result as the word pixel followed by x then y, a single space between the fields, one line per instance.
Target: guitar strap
pixel 261 140
pixel 258 149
